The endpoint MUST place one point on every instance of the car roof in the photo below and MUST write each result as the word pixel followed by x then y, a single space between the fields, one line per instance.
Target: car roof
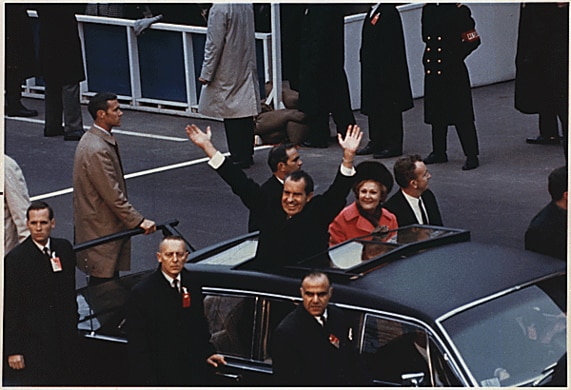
pixel 440 280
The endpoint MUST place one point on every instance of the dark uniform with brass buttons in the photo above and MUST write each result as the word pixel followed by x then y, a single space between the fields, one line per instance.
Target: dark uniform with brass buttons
pixel 448 31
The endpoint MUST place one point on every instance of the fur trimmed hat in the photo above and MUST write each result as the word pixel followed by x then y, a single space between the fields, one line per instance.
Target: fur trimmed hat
pixel 376 171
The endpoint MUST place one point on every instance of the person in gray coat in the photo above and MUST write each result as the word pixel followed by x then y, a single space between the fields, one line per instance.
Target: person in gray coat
pixel 229 77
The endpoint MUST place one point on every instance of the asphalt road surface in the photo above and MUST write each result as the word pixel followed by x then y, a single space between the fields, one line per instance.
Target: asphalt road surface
pixel 167 176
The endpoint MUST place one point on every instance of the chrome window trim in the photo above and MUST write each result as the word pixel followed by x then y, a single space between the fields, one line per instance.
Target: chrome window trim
pixel 95 336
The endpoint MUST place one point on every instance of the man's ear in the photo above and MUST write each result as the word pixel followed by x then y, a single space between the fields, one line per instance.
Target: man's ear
pixel 309 196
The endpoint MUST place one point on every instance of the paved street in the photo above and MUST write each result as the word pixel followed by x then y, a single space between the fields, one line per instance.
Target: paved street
pixel 168 177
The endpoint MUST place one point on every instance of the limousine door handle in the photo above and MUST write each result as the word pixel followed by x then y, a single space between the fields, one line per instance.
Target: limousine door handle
pixel 234 377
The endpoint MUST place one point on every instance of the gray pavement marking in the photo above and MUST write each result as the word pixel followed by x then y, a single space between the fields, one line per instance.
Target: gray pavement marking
pixel 116 131
pixel 141 173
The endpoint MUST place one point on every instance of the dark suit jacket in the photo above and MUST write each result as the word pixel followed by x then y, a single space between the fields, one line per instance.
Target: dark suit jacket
pixel 547 232
pixel 323 86
pixel 286 240
pixel 40 314
pixel 398 205
pixel 61 60
pixel 168 344
pixel 385 82
pixel 271 196
pixel 303 355
pixel 542 58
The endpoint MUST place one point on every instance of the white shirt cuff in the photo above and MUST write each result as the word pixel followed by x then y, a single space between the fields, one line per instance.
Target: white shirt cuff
pixel 217 160
pixel 348 172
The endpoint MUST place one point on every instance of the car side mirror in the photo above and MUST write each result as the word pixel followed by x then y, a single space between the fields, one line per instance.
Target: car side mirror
pixel 413 379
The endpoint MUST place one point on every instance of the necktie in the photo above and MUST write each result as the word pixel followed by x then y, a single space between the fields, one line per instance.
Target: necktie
pixel 175 284
pixel 424 217
pixel 323 320
pixel 47 251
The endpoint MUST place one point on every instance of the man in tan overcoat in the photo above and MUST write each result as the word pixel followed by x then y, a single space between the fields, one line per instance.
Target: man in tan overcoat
pixel 231 90
pixel 100 203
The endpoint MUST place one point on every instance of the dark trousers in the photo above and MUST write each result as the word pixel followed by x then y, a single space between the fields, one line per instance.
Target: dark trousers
pixel 319 132
pixel 62 99
pixel 548 124
pixel 13 90
pixel 240 138
pixel 466 133
pixel 386 131
pixel 562 110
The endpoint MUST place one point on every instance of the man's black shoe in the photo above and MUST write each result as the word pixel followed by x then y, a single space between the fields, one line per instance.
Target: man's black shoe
pixel 387 153
pixel 471 163
pixel 53 132
pixel 22 112
pixel 540 140
pixel 73 135
pixel 310 144
pixel 434 158
pixel 369 149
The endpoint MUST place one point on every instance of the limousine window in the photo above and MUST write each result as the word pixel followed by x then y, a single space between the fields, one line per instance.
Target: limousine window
pixel 231 321
pixel 398 353
pixel 277 310
pixel 525 335
pixel 357 252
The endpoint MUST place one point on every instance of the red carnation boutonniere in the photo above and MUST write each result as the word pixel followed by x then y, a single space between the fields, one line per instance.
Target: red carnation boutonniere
pixel 334 340
pixel 375 18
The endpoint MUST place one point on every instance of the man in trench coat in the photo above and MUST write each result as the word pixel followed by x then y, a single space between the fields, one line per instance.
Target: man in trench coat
pixel 231 90
pixel 100 203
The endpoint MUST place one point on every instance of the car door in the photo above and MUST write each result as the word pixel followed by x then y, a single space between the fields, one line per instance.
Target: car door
pixel 401 353
pixel 240 325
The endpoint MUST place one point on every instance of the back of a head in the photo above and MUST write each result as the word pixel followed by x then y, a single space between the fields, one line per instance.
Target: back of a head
pixel 404 169
pixel 557 183
pixel 99 102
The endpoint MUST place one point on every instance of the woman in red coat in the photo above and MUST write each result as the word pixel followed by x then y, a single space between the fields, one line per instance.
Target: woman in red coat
pixel 374 182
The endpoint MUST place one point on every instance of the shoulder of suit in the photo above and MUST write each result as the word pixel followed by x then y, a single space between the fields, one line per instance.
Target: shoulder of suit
pixel 62 242
pixel 18 250
pixel 394 197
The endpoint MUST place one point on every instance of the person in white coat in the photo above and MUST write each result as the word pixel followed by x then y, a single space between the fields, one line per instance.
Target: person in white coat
pixel 230 82
pixel 16 202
